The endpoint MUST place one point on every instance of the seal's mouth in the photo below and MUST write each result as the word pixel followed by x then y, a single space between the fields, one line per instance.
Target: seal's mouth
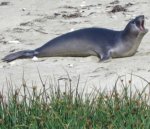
pixel 140 23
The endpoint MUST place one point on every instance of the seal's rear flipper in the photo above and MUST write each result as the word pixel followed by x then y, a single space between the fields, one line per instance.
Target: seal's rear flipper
pixel 19 54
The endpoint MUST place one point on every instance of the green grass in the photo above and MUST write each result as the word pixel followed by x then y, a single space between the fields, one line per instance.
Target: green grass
pixel 28 108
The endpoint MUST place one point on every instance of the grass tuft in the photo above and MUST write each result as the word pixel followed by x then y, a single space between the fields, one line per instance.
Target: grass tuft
pixel 28 108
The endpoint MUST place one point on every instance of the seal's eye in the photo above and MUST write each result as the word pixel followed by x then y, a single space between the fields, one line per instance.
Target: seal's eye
pixel 134 22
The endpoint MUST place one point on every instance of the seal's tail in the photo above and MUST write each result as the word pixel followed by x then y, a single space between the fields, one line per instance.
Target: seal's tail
pixel 19 54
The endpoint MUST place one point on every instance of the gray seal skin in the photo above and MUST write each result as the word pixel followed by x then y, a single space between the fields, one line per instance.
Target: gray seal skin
pixel 104 43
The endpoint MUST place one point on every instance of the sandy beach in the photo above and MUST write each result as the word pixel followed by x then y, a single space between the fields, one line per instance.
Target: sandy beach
pixel 28 24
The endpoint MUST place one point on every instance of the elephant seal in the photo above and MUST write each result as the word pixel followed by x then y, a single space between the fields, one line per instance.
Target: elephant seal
pixel 104 43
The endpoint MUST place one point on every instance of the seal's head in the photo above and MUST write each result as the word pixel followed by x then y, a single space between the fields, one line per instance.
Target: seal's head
pixel 135 27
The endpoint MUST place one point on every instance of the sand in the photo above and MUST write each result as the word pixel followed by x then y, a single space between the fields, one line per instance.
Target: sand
pixel 28 24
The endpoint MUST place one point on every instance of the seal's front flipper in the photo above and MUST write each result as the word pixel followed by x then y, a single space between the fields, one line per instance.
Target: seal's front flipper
pixel 105 57
pixel 19 54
